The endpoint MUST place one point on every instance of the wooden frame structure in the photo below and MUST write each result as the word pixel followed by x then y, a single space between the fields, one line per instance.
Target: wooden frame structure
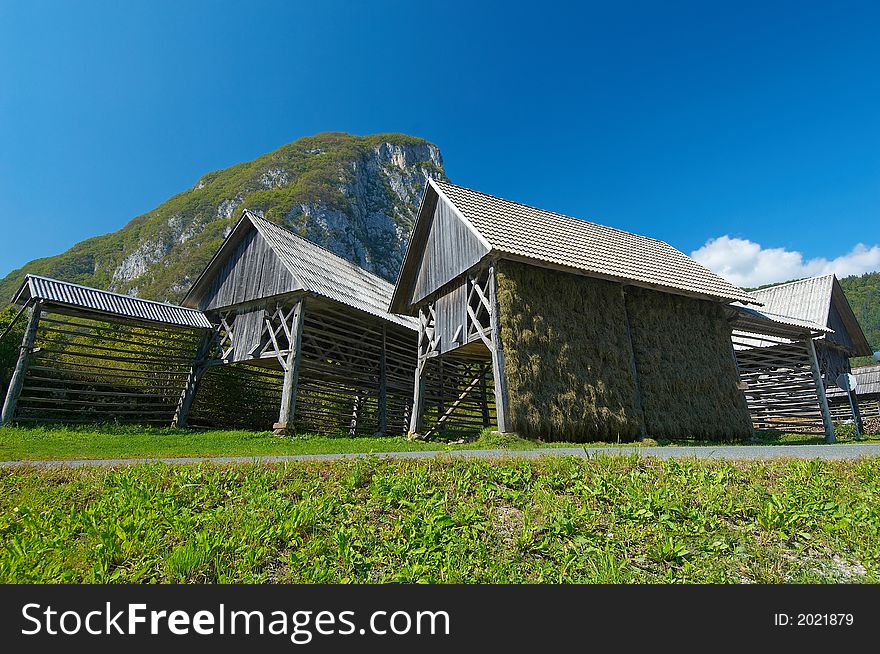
pixel 449 279
pixel 821 301
pixel 311 333
pixel 779 370
pixel 867 395
pixel 91 356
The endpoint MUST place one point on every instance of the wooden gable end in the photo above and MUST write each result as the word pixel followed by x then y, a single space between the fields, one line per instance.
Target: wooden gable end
pixel 451 248
pixel 841 334
pixel 251 271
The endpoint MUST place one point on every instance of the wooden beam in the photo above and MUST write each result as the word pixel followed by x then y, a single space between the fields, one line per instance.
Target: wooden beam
pixel 445 415
pixel 198 368
pixel 383 384
pixel 502 405
pixel 827 422
pixel 484 400
pixel 291 371
pixel 416 417
pixel 18 375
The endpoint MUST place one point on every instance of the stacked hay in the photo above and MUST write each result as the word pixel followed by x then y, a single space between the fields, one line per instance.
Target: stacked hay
pixel 687 374
pixel 567 355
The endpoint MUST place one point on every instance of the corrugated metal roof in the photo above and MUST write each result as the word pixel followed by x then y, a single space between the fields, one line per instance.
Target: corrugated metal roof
pixel 92 299
pixel 867 383
pixel 812 299
pixel 809 299
pixel 867 380
pixel 329 275
pixel 518 229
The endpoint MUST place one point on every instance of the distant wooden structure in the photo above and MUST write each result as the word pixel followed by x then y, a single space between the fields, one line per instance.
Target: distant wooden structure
pixel 867 394
pixel 779 370
pixel 821 301
pixel 449 281
pixel 93 356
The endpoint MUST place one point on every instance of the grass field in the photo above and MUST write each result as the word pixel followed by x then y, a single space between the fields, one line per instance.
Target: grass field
pixel 119 442
pixel 559 519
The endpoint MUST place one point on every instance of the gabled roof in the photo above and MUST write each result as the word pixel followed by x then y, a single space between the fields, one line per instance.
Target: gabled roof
pixel 74 296
pixel 812 299
pixel 544 238
pixel 316 269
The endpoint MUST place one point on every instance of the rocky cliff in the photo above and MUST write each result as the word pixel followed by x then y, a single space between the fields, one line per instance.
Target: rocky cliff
pixel 355 195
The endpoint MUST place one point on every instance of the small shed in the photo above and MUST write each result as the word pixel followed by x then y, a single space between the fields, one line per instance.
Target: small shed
pixel 589 332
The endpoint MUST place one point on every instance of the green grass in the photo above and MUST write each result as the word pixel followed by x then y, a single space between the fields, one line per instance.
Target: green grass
pixel 559 519
pixel 129 442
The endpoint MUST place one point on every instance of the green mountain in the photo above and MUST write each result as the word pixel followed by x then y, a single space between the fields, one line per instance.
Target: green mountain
pixel 355 195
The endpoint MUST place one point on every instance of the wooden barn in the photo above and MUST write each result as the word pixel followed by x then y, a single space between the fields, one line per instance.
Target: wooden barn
pixel 311 340
pixel 588 332
pixel 779 370
pixel 867 394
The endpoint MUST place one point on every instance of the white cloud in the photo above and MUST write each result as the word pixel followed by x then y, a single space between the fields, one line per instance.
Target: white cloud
pixel 746 263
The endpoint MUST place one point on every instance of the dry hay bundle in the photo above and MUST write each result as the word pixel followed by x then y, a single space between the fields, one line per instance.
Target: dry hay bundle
pixel 567 355
pixel 686 368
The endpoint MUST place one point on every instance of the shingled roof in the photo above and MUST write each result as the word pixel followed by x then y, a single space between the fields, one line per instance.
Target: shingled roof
pixel 315 270
pixel 820 300
pixel 93 300
pixel 517 231
pixel 327 274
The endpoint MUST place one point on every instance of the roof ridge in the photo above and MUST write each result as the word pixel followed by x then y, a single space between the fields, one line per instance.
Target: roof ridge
pixel 101 290
pixel 289 232
pixel 794 281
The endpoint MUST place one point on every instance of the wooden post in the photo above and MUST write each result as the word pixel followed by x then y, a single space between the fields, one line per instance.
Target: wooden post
pixel 418 407
pixel 502 406
pixel 856 411
pixel 820 391
pixel 484 399
pixel 441 404
pixel 291 370
pixel 383 385
pixel 198 368
pixel 17 381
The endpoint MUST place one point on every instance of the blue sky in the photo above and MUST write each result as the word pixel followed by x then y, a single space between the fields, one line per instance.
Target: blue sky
pixel 758 123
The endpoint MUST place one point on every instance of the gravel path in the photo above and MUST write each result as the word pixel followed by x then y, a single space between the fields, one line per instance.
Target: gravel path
pixel 730 452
